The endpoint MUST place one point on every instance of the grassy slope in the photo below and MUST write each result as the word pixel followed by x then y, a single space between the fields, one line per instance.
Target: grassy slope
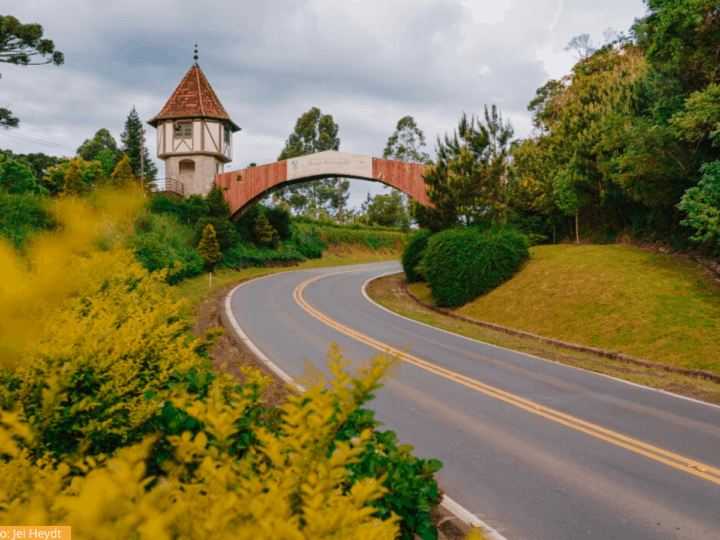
pixel 612 297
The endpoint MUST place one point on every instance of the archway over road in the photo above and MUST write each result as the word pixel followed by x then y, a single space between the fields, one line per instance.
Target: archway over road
pixel 256 183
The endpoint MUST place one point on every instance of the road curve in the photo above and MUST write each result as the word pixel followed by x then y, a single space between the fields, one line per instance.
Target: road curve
pixel 536 449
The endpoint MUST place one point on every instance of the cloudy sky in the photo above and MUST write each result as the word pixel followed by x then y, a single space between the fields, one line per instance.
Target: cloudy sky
pixel 368 63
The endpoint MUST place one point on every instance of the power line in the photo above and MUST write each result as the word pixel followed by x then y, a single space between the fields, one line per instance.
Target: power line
pixel 61 86
pixel 64 81
pixel 37 141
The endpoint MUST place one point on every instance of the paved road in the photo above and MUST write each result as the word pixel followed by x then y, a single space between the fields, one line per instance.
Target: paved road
pixel 536 449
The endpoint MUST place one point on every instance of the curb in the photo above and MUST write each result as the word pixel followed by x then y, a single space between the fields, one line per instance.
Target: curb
pixel 612 355
pixel 464 516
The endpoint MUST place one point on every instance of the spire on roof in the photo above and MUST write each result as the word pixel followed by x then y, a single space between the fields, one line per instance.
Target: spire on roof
pixel 196 57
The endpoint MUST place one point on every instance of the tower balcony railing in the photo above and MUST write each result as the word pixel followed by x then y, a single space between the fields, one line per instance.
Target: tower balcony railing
pixel 169 185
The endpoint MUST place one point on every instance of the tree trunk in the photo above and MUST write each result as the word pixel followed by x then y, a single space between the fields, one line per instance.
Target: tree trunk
pixel 577 233
pixel 210 280
pixel 340 201
pixel 553 234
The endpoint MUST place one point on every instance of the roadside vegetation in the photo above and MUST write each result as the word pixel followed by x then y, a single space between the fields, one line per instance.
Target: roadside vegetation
pixel 110 394
pixel 612 297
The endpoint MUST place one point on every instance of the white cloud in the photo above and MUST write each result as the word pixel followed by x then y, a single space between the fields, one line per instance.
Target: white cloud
pixel 366 62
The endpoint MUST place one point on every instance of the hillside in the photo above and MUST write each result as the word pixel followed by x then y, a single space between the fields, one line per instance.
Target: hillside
pixel 614 297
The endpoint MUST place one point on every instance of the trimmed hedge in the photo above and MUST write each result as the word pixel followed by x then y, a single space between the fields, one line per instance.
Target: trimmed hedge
pixel 462 264
pixel 413 254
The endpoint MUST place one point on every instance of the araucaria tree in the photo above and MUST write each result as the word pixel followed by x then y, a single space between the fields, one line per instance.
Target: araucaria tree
pixel 314 132
pixel 133 138
pixel 468 182
pixel 19 43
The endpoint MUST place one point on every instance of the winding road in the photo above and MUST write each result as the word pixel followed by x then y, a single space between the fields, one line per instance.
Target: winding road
pixel 538 450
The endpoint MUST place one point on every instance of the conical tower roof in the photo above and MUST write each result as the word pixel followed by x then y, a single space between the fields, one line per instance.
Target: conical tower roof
pixel 193 98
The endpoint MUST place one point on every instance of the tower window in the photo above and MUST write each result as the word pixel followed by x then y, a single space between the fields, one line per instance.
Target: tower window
pixel 187 165
pixel 183 129
pixel 227 136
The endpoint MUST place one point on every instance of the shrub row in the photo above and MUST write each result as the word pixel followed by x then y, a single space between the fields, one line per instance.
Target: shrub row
pixel 413 254
pixel 352 226
pixel 245 255
pixel 374 239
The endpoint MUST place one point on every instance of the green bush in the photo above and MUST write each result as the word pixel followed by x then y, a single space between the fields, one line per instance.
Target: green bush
pixel 161 241
pixel 280 220
pixel 412 488
pixel 160 203
pixel 307 242
pixel 224 231
pixel 413 254
pixel 245 255
pixel 22 216
pixel 462 264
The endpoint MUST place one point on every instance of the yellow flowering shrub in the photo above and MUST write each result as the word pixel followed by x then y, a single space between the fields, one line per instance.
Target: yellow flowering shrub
pixel 285 486
pixel 113 421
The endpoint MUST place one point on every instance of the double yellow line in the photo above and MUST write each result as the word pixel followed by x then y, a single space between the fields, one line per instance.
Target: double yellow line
pixel 658 454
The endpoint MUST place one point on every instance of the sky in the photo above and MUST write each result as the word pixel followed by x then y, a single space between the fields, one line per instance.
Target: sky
pixel 368 63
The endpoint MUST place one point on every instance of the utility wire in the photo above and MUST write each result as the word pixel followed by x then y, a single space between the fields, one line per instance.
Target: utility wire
pixel 39 141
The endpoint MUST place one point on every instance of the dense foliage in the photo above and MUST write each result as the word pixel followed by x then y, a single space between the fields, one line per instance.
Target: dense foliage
pixel 414 253
pixel 22 216
pixel 461 264
pixel 114 422
pixel 625 141
pixel 161 241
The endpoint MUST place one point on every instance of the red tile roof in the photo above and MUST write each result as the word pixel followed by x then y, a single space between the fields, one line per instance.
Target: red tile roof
pixel 193 98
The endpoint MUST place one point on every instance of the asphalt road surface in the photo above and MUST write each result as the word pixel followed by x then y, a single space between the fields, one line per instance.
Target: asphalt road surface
pixel 536 449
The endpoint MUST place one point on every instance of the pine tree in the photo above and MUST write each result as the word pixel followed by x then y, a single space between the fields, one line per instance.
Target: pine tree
pixel 265 234
pixel 131 143
pixel 209 249
pixel 122 176
pixel 73 182
pixel 217 205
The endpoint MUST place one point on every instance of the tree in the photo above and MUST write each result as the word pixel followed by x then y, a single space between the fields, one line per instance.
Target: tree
pixel 568 195
pixel 265 235
pixel 16 177
pixel 468 182
pixel 386 210
pixel 405 143
pixel 702 204
pixel 74 185
pixel 133 138
pixel 209 250
pixel 314 132
pixel 91 174
pixel 19 43
pixel 217 204
pixel 122 176
pixel 92 150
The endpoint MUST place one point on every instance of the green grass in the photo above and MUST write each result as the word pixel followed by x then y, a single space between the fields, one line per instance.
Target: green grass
pixel 613 297
pixel 194 289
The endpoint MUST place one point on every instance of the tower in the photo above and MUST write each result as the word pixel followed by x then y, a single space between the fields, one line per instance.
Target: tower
pixel 194 133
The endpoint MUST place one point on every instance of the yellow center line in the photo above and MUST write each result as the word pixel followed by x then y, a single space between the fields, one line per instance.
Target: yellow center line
pixel 674 460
